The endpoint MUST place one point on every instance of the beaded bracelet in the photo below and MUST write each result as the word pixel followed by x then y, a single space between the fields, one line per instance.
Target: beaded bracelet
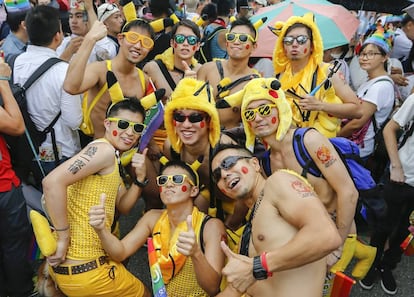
pixel 4 77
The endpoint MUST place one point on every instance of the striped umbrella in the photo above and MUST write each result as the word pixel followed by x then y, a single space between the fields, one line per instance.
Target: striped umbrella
pixel 337 24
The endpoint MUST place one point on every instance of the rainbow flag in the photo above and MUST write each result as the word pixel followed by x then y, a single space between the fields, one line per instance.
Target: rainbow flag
pixel 342 285
pixel 158 287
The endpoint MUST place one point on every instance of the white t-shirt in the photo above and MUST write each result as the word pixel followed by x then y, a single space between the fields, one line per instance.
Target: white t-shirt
pixel 402 46
pixel 404 116
pixel 382 96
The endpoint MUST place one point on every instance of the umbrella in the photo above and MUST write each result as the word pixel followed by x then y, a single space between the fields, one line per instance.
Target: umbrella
pixel 336 23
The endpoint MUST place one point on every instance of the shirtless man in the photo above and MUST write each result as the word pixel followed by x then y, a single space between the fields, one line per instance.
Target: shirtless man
pixel 266 114
pixel 241 41
pixel 287 245
pixel 177 62
pixel 196 250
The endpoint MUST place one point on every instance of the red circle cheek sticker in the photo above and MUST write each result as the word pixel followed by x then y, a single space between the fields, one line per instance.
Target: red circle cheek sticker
pixel 247 46
pixel 202 124
pixel 114 133
pixel 194 48
pixel 305 50
pixel 175 45
pixel 184 188
pixel 244 169
pixel 274 120
pixel 160 189
pixel 174 123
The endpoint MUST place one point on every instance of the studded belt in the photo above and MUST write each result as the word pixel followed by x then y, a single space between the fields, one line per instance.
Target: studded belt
pixel 77 269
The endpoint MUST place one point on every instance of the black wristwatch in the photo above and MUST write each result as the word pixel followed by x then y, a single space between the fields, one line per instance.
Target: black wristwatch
pixel 259 272
pixel 141 184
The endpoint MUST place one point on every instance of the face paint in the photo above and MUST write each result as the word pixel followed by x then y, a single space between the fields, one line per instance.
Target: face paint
pixel 194 48
pixel 160 189
pixel 244 169
pixel 202 124
pixel 174 123
pixel 247 46
pixel 305 50
pixel 114 133
pixel 175 45
pixel 274 120
pixel 184 188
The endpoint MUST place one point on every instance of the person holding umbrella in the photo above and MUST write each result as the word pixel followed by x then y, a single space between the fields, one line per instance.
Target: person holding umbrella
pixel 317 95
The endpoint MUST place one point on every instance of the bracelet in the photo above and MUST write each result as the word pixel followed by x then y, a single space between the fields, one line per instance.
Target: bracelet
pixel 336 256
pixel 264 263
pixel 62 229
pixel 4 77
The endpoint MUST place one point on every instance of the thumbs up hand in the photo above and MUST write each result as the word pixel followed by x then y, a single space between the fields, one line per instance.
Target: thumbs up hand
pixel 187 241
pixel 238 270
pixel 97 215
pixel 188 72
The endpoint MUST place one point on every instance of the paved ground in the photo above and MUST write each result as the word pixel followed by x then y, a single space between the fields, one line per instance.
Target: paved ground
pixel 404 274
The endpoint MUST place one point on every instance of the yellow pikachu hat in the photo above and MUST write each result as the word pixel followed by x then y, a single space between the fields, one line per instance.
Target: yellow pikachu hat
pixel 279 57
pixel 192 94
pixel 258 89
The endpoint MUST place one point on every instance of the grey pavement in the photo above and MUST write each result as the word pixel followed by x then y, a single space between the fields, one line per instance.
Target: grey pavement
pixel 404 274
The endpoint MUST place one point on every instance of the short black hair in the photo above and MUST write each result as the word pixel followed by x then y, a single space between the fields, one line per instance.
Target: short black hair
pixel 186 23
pixel 230 146
pixel 300 25
pixel 244 22
pixel 224 6
pixel 14 19
pixel 178 163
pixel 42 24
pixel 131 104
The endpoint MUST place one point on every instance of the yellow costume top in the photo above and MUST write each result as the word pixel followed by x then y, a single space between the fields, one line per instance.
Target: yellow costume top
pixel 308 78
pixel 84 242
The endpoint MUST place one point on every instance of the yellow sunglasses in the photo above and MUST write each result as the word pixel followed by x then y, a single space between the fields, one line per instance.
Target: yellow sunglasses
pixel 134 38
pixel 242 37
pixel 264 111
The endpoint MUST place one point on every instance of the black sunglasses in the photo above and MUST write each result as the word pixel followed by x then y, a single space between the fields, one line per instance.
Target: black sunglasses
pixel 226 164
pixel 301 39
pixel 195 117
pixel 180 38
pixel 124 124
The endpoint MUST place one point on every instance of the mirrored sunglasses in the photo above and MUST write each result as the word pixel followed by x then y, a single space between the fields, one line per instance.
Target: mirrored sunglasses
pixel 177 179
pixel 301 39
pixel 242 37
pixel 124 124
pixel 134 38
pixel 226 164
pixel 264 111
pixel 180 38
pixel 195 117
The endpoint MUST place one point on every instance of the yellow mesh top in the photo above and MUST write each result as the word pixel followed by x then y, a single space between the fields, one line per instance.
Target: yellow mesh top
pixel 84 242
pixel 185 282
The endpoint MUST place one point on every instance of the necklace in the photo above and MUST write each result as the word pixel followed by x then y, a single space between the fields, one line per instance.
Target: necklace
pixel 256 205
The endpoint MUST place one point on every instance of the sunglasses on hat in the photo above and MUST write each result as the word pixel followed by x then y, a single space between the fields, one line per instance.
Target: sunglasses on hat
pixel 177 179
pixel 134 38
pixel 226 164
pixel 180 38
pixel 124 124
pixel 264 111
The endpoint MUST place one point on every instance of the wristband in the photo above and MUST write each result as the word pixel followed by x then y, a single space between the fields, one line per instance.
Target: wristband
pixel 4 77
pixel 141 184
pixel 61 229
pixel 264 264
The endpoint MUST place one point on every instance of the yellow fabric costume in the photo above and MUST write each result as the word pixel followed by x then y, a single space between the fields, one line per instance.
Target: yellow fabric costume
pixel 167 57
pixel 82 195
pixel 171 262
pixel 323 122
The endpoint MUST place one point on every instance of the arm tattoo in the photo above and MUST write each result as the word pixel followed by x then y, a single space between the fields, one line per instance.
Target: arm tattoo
pixel 325 156
pixel 303 189
pixel 85 157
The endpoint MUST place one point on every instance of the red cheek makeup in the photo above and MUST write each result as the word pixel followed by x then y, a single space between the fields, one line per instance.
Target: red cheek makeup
pixel 114 133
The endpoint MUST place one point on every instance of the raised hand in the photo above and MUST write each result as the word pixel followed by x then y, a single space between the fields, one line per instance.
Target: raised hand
pixel 138 163
pixel 188 72
pixel 97 214
pixel 238 270
pixel 187 242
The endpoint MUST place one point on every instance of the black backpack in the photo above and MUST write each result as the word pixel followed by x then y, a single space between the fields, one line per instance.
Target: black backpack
pixel 24 148
pixel 204 53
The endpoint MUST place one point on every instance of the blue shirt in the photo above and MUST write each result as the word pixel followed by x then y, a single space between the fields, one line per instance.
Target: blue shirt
pixel 12 46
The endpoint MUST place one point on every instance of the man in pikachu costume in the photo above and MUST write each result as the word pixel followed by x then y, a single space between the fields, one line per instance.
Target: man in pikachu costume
pixel 266 114
pixel 297 61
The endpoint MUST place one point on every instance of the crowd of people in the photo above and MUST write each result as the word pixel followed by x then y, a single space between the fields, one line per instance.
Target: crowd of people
pixel 227 204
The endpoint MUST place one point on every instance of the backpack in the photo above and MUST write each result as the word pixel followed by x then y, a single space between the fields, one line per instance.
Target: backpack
pixel 24 148
pixel 348 151
pixel 204 53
